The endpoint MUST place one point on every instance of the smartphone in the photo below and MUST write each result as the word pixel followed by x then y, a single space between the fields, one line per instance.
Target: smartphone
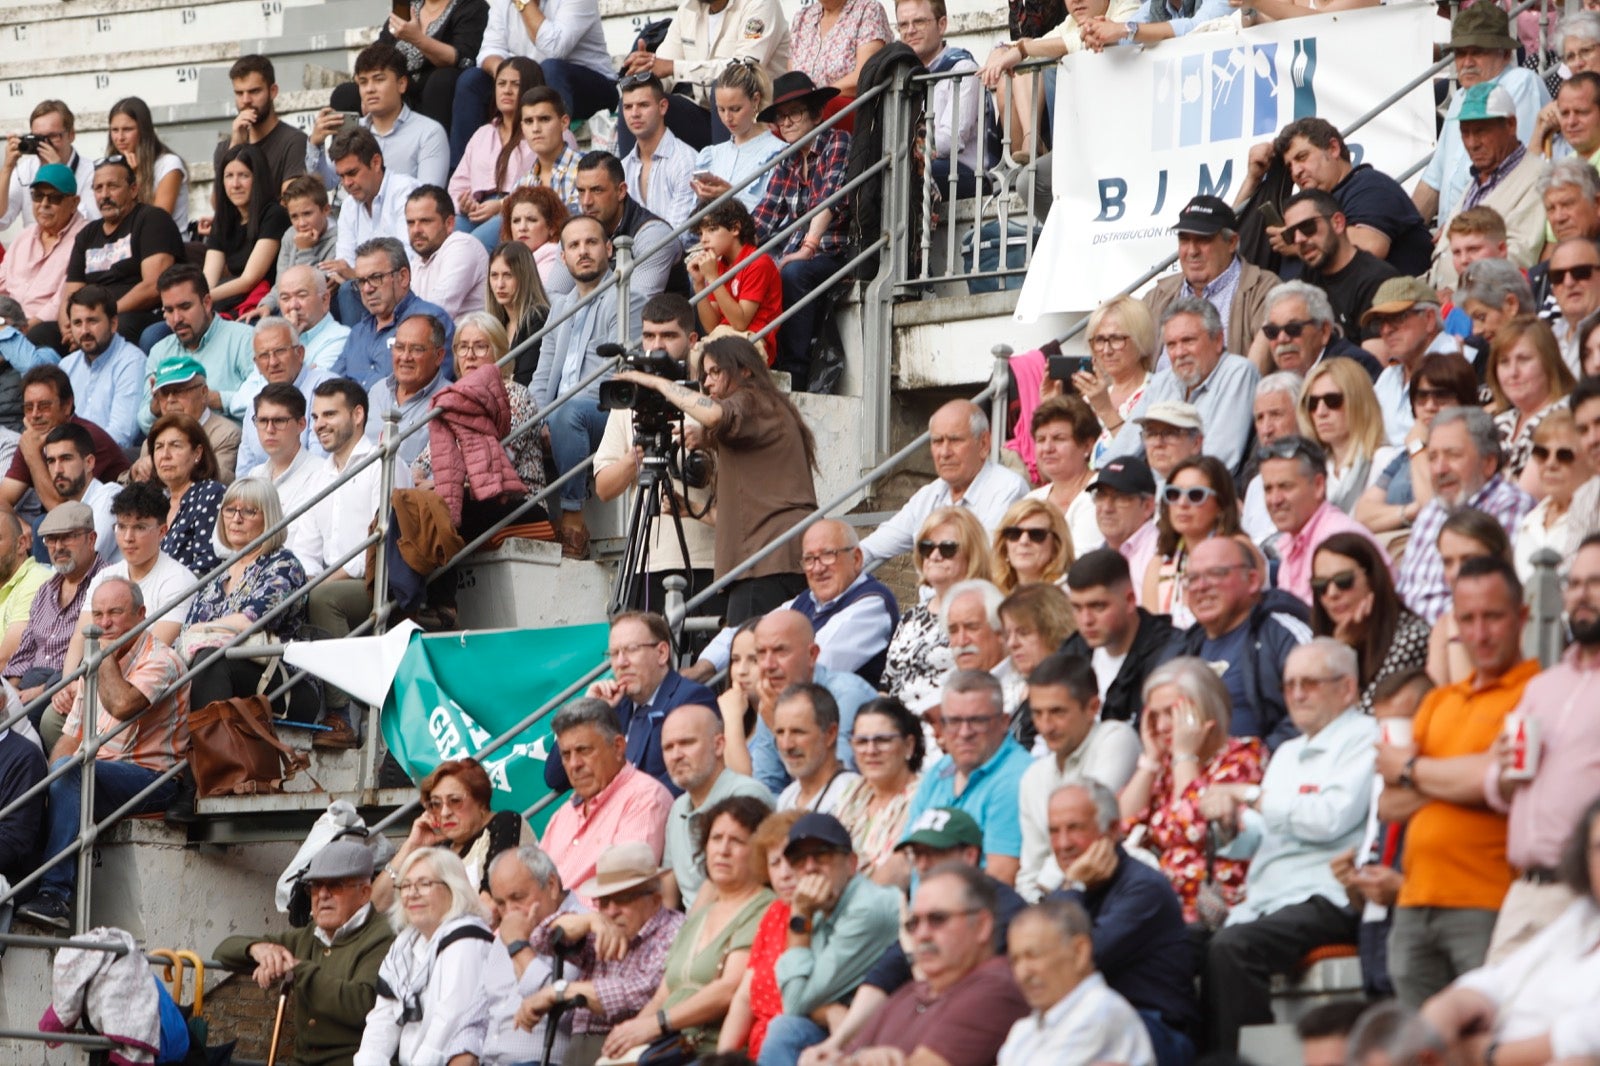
pixel 400 9
pixel 703 175
pixel 352 121
pixel 1273 217
pixel 1062 367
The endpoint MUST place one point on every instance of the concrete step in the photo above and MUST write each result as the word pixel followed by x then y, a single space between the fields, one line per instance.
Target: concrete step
pixel 67 31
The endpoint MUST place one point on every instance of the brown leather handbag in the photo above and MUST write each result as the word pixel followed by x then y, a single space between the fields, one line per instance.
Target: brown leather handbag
pixel 233 750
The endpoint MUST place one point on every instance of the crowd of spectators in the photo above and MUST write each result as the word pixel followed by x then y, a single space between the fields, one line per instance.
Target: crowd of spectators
pixel 1180 698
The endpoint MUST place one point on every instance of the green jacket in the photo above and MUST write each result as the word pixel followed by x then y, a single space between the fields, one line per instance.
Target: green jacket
pixel 334 988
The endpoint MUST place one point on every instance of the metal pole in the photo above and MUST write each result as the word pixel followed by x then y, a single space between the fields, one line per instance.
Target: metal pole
pixel 999 399
pixel 380 564
pixel 623 247
pixel 84 894
pixel 1548 634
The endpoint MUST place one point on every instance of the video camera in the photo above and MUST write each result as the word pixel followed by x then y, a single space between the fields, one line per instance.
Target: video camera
pixel 654 418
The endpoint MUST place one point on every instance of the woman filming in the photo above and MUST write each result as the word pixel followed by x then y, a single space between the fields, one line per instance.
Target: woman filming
pixel 758 434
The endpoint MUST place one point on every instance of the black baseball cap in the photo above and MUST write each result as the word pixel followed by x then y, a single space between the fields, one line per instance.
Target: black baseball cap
pixel 1206 215
pixel 823 828
pixel 1131 477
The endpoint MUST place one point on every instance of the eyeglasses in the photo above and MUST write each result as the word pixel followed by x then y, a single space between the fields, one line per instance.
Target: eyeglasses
pixel 1308 228
pixel 1333 400
pixel 912 24
pixel 1578 55
pixel 271 421
pixel 1425 395
pixel 1564 456
pixel 934 920
pixel 874 740
pixel 1013 534
pixel 1197 578
pixel 46 196
pixel 1294 448
pixel 1194 495
pixel 1162 431
pixel 1383 322
pixel 1578 272
pixel 474 347
pixel 239 514
pixel 628 651
pixel 115 157
pixel 454 803
pixel 372 281
pixel 944 549
pixel 975 723
pixel 821 557
pixel 1292 330
pixel 275 353
pixel 1294 684
pixel 1344 581
pixel 1109 342
pixel 419 886
pixel 784 118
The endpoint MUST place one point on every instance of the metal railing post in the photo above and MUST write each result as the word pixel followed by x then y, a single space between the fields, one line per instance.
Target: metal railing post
pixel 380 563
pixel 83 897
pixel 623 247
pixel 999 400
pixel 1547 632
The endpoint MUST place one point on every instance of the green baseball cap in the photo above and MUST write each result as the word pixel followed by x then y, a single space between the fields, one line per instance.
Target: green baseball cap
pixel 943 828
pixel 178 369
pixel 1484 101
pixel 58 176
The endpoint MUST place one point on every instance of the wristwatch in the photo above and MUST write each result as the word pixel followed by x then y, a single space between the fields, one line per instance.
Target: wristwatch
pixel 1408 773
pixel 799 923
pixel 1133 32
pixel 1416 448
pixel 560 989
pixel 517 947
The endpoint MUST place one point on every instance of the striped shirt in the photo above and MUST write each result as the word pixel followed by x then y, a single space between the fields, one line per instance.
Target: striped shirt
pixel 160 736
pixel 1421 583
pixel 50 624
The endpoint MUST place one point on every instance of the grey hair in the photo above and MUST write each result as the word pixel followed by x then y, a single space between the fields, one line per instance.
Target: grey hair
pixel 1574 171
pixel 992 598
pixel 385 246
pixel 1401 1035
pixel 852 539
pixel 1107 813
pixel 1285 381
pixel 977 421
pixel 1316 301
pixel 12 314
pixel 447 867
pixel 279 322
pixel 1336 655
pixel 258 492
pixel 533 859
pixel 1490 281
pixel 587 710
pixel 1480 427
pixel 963 681
pixel 1584 25
pixel 1068 916
pixel 318 275
pixel 1194 678
pixel 1193 305
pixel 436 331
pixel 134 592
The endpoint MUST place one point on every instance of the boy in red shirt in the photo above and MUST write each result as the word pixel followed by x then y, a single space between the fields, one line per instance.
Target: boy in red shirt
pixel 751 298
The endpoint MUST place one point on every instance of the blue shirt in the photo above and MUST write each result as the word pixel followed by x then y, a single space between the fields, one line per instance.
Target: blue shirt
pixel 1222 399
pixel 226 350
pixel 415 146
pixel 848 691
pixel 324 344
pixel 366 351
pixel 990 796
pixel 382 399
pixel 20 352
pixel 251 454
pixel 106 390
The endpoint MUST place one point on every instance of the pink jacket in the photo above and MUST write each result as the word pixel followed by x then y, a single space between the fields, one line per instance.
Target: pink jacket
pixel 465 442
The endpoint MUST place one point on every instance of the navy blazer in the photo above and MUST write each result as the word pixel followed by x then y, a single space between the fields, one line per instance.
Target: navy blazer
pixel 643 730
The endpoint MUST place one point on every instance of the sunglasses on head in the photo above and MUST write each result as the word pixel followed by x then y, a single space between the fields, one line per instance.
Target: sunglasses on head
pixel 1012 534
pixel 1580 272
pixel 1334 400
pixel 944 549
pixel 1344 581
pixel 1194 495
pixel 1564 456
pixel 1292 330
pixel 633 81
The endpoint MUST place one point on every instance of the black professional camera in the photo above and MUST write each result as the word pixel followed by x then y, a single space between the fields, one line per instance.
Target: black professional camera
pixel 28 144
pixel 654 418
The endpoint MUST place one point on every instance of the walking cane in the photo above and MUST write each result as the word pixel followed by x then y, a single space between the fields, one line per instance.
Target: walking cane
pixel 277 1023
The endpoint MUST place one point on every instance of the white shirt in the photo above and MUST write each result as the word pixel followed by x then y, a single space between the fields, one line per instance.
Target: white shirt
pixel 1549 985
pixel 163 588
pixel 1092 1024
pixel 571 30
pixel 824 802
pixel 1107 755
pixel 847 641
pixel 454 275
pixel 1082 525
pixel 505 1044
pixel 669 194
pixel 989 496
pixel 455 1012
pixel 1106 668
pixel 21 201
pixel 295 486
pixel 339 521
pixel 98 495
pixel 386 218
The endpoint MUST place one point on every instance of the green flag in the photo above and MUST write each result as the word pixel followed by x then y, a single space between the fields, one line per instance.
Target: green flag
pixel 453 693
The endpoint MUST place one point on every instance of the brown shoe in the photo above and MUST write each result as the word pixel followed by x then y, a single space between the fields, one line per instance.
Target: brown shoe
pixel 573 535
pixel 338 736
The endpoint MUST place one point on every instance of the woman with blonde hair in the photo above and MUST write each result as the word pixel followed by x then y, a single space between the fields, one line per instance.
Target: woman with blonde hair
pixel 1122 347
pixel 951 547
pixel 1031 544
pixel 1528 379
pixel 1563 465
pixel 515 296
pixel 741 91
pixel 1339 410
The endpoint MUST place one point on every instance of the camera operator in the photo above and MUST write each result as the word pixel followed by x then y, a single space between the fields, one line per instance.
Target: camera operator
pixel 765 459
pixel 49 140
pixel 667 326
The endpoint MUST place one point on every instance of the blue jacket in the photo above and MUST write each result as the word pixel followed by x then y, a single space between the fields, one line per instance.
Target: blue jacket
pixel 644 730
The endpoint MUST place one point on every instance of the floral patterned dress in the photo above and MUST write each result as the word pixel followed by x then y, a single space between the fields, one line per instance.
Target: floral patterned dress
pixel 827 59
pixel 1177 833
pixel 874 833
pixel 265 583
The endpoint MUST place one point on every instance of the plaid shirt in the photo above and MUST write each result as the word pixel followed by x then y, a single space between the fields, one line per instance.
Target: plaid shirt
pixel 624 985
pixel 50 625
pixel 563 177
pixel 1421 584
pixel 801 182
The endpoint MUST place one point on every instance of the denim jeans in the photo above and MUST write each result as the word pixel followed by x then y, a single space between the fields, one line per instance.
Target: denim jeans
pixel 115 782
pixel 575 431
pixel 787 1036
pixel 585 91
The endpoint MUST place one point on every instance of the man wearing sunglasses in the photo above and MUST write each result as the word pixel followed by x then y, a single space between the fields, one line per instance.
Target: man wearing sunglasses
pixel 1574 273
pixel 35 266
pixel 333 962
pixel 1350 276
pixel 1299 333
pixel 1295 482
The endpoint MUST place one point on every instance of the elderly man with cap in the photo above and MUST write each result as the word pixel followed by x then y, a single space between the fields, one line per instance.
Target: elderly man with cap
pixel 1504 176
pixel 840 924
pixel 1209 268
pixel 180 388
pixel 331 964
pixel 1405 316
pixel 619 950
pixel 68 534
pixel 1485 54
pixel 1172 433
pixel 35 268
pixel 1124 493
pixel 1204 373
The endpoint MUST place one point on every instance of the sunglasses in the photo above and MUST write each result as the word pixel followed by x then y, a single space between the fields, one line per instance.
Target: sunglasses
pixel 1334 401
pixel 944 549
pixel 1307 229
pixel 1012 534
pixel 1564 456
pixel 1194 496
pixel 1423 395
pixel 1292 330
pixel 1581 272
pixel 934 920
pixel 1344 581
pixel 633 81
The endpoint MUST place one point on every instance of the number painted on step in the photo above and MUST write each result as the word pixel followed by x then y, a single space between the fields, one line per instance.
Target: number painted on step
pixel 19 32
pixel 102 24
pixel 102 81
pixel 187 16
pixel 188 75
pixel 270 8
pixel 14 89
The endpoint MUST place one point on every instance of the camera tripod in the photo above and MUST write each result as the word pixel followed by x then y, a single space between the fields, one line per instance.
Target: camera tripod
pixel 633 570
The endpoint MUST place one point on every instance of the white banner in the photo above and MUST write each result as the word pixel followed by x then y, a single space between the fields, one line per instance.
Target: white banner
pixel 1139 132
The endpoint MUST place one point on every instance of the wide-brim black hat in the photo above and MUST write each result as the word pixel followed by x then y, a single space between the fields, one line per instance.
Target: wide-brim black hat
pixel 795 85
